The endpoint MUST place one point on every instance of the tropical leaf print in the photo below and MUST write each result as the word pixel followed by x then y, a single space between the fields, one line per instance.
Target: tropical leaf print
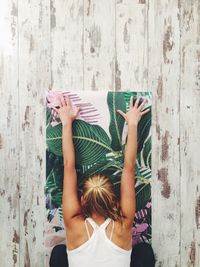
pixel 88 112
pixel 54 139
pixel 144 157
pixel 143 174
pixel 48 116
pixel 53 162
pixel 145 122
pixel 91 142
pixel 142 225
pixel 116 102
pixel 143 195
pixel 54 184
pixel 101 152
pixel 143 130
pixel 103 167
pixel 127 96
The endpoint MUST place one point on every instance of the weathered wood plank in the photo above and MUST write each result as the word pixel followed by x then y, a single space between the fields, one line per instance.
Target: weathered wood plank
pixel 9 135
pixel 163 79
pixel 190 133
pixel 34 80
pixel 67 45
pixel 131 45
pixel 99 45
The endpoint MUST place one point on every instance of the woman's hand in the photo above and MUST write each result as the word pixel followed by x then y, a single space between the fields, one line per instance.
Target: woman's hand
pixel 133 116
pixel 65 111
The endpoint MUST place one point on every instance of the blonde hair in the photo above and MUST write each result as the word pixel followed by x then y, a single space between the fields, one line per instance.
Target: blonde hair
pixel 99 197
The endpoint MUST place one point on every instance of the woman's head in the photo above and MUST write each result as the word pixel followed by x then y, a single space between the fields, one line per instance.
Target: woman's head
pixel 99 197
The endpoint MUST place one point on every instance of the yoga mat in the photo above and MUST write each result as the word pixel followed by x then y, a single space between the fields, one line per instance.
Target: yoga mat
pixel 99 135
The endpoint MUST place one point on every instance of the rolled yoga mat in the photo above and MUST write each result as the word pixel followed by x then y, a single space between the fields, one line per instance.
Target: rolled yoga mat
pixel 99 136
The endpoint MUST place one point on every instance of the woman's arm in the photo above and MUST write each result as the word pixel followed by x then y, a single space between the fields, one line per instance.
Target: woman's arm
pixel 127 196
pixel 70 202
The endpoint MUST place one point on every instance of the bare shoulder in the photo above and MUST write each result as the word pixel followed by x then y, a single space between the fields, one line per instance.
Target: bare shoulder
pixel 123 229
pixel 75 232
pixel 123 226
pixel 75 224
pixel 122 235
pixel 75 221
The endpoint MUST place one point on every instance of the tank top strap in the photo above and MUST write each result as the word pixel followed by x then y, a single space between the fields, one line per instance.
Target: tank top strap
pixel 92 222
pixel 113 224
pixel 106 223
pixel 86 226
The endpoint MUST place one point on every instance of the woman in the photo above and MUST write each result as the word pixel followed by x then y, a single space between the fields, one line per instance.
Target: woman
pixel 99 227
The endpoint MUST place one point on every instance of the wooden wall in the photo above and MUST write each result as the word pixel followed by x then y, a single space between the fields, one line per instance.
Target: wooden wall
pixel 100 45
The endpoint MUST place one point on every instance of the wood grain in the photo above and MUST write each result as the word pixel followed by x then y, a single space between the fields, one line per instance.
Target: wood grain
pixel 34 80
pixel 190 133
pixel 164 80
pixel 67 45
pixel 100 45
pixel 9 136
pixel 131 46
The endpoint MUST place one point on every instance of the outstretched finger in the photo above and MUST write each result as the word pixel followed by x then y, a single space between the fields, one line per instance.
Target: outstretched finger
pixel 77 111
pixel 137 101
pixel 142 104
pixel 121 113
pixel 68 101
pixel 131 101
pixel 58 102
pixel 62 100
pixel 145 111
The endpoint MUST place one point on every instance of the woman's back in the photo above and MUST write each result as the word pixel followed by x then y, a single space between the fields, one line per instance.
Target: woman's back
pixel 99 250
pixel 98 196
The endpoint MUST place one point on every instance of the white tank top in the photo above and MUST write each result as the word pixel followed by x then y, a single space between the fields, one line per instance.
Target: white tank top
pixel 99 250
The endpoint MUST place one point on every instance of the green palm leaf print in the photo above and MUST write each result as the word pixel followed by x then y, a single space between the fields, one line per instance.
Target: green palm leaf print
pixel 91 142
pixel 116 102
